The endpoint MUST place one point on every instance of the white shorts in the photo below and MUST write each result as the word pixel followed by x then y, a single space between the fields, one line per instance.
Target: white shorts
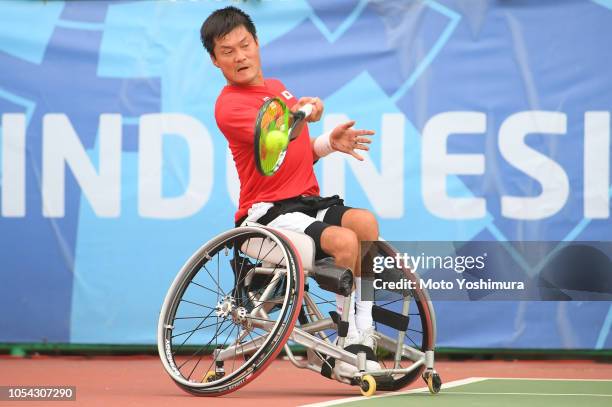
pixel 294 221
pixel 300 222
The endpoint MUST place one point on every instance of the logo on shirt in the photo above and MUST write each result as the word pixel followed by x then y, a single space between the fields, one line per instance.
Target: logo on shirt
pixel 286 94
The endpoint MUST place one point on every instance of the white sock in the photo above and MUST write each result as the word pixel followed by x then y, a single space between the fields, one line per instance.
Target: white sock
pixel 363 314
pixel 352 329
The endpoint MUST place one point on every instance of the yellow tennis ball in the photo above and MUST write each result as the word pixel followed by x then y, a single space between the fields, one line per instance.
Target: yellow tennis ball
pixel 276 141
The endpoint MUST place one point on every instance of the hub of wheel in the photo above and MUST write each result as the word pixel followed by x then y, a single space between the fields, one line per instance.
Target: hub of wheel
pixel 225 306
pixel 239 315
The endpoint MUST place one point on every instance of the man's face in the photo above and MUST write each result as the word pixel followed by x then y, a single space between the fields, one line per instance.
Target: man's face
pixel 237 55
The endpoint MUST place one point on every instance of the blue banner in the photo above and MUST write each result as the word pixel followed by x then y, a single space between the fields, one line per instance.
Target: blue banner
pixel 492 123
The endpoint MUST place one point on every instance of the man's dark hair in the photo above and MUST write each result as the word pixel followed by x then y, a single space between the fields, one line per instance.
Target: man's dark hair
pixel 221 22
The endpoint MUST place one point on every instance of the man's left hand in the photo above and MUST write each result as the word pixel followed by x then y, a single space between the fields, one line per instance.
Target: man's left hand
pixel 346 139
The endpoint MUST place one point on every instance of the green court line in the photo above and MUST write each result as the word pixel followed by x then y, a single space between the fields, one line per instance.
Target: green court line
pixel 502 392
pixel 534 394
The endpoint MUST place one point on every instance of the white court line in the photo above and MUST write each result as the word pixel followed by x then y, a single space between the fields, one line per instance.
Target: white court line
pixel 529 394
pixel 448 385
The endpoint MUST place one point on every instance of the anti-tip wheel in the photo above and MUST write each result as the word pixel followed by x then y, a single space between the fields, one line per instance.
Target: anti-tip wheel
pixel 368 386
pixel 434 383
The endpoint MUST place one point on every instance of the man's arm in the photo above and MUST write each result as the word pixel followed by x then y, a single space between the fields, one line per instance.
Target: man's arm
pixel 343 138
pixel 315 157
pixel 317 112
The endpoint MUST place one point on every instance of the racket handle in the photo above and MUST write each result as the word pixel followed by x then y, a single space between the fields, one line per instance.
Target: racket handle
pixel 306 109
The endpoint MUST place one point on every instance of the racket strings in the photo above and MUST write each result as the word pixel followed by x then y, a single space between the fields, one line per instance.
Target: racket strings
pixel 272 129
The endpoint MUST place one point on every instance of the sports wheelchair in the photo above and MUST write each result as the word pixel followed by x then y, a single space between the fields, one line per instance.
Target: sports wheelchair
pixel 253 291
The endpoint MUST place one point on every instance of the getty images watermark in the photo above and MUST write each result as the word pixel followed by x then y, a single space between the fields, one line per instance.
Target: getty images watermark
pixel 458 264
pixel 557 271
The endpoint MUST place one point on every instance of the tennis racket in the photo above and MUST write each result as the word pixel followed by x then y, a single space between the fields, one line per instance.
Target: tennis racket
pixel 275 127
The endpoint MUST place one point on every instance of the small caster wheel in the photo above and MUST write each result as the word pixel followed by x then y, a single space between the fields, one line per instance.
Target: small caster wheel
pixel 367 386
pixel 434 383
pixel 209 377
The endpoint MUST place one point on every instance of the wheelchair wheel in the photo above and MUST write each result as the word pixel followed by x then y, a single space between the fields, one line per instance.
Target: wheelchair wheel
pixel 419 329
pixel 230 310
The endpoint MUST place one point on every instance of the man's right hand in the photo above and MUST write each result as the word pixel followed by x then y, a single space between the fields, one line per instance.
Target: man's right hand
pixel 317 107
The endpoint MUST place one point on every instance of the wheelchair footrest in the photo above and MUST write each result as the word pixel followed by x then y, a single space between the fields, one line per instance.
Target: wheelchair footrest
pixel 329 363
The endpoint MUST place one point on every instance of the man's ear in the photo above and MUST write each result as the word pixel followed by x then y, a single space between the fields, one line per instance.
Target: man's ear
pixel 214 60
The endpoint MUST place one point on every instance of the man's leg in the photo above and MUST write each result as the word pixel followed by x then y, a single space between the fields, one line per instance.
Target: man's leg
pixel 343 243
pixel 338 242
pixel 365 226
pixel 361 222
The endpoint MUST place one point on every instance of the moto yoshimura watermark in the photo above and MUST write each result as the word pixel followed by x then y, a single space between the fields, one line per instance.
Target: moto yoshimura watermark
pixel 476 270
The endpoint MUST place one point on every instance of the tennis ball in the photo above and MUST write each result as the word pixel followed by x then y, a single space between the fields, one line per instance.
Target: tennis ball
pixel 276 141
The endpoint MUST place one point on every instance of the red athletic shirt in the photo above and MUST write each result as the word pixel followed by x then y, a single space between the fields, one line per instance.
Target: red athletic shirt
pixel 235 113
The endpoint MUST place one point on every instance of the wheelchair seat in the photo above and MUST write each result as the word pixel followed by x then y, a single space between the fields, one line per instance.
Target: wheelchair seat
pixel 329 276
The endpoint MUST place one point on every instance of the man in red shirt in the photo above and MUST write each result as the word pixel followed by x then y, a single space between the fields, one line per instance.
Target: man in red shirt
pixel 230 38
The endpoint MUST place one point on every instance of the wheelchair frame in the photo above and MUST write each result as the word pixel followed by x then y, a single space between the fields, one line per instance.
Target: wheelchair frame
pixel 286 270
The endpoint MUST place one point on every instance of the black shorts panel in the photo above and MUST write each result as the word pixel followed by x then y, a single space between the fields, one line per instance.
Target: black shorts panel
pixel 334 214
pixel 315 230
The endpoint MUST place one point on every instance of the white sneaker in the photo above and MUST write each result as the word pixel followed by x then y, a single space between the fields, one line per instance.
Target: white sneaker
pixel 347 370
pixel 369 337
pixel 352 338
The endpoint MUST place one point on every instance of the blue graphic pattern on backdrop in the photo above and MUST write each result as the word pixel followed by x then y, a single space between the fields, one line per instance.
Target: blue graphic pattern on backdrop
pixel 102 280
pixel 42 264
